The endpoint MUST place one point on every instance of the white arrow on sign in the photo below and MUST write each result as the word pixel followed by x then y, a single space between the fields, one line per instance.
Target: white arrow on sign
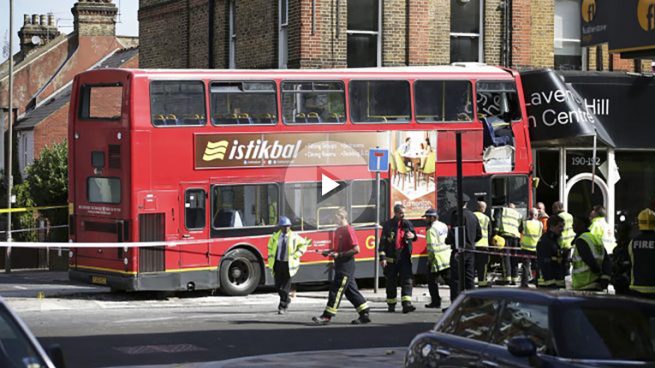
pixel 327 184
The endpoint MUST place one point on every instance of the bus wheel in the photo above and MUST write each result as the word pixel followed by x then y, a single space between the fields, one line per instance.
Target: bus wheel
pixel 239 272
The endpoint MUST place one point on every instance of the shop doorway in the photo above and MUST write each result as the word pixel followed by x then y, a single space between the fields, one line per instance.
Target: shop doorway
pixel 580 199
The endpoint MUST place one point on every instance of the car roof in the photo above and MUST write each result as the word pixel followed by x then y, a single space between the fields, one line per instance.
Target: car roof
pixel 552 297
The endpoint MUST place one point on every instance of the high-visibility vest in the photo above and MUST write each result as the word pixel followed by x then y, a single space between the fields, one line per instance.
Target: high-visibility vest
pixel 583 277
pixel 484 225
pixel 509 222
pixel 601 229
pixel 296 247
pixel 532 230
pixel 567 234
pixel 642 259
pixel 438 250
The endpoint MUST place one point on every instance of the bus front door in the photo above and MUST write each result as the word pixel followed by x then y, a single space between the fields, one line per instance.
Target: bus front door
pixel 194 225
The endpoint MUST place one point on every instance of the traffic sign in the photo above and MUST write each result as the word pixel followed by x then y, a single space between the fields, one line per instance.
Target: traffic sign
pixel 378 160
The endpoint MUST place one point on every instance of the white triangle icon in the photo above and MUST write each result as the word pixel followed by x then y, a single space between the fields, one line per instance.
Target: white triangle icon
pixel 327 184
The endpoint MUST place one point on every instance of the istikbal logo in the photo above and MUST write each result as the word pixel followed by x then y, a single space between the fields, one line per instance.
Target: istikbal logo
pixel 588 10
pixel 646 14
pixel 259 149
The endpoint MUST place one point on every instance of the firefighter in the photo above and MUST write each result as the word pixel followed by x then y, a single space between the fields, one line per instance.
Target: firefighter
pixel 396 258
pixel 531 230
pixel 592 267
pixel 438 255
pixel 601 229
pixel 284 251
pixel 642 256
pixel 343 252
pixel 566 239
pixel 482 260
pixel 550 257
pixel 507 222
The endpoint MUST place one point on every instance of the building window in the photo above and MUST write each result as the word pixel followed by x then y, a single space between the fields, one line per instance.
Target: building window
pixel 364 29
pixel 568 54
pixel 283 30
pixel 466 30
pixel 233 37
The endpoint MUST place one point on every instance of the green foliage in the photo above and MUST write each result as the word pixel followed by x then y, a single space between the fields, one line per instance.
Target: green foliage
pixel 26 220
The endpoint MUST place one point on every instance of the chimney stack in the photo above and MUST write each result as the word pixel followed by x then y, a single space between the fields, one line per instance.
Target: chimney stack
pixel 95 18
pixel 37 30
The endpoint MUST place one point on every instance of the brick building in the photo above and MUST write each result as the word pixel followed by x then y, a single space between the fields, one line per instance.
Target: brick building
pixel 341 33
pixel 45 66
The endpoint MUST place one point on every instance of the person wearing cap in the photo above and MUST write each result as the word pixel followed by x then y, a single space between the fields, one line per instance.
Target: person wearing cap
pixel 642 256
pixel 343 252
pixel 395 252
pixel 438 254
pixel 482 259
pixel 284 251
pixel 472 234
pixel 550 257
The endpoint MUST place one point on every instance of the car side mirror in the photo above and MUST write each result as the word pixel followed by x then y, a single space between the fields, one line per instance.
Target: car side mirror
pixel 522 346
pixel 56 355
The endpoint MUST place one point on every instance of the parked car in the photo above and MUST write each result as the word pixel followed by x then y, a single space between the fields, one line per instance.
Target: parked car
pixel 522 328
pixel 19 348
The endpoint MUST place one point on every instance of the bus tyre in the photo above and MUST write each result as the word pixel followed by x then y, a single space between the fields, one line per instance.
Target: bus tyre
pixel 239 272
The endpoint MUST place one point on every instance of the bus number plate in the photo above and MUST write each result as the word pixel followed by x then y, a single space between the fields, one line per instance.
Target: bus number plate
pixel 100 280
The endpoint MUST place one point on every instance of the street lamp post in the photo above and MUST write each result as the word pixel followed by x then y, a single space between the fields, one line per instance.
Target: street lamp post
pixel 10 131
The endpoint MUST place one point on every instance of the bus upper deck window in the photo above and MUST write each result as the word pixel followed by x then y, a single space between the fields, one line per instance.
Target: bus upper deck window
pixel 379 102
pixel 498 98
pixel 313 102
pixel 443 101
pixel 177 103
pixel 101 102
pixel 243 103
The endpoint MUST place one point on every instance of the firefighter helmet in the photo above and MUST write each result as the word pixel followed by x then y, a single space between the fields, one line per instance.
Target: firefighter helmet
pixel 646 219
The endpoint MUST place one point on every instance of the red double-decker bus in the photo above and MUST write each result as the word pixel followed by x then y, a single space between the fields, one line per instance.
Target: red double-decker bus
pixel 215 157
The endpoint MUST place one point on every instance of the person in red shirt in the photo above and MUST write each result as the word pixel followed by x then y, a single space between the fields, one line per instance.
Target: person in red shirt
pixel 344 249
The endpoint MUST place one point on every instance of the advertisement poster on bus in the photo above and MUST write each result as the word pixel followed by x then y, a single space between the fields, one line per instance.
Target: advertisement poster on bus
pixel 413 165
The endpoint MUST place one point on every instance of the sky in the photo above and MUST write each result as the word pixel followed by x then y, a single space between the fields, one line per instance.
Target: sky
pixel 127 24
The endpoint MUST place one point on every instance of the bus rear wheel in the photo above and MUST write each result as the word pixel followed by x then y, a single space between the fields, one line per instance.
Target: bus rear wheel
pixel 239 272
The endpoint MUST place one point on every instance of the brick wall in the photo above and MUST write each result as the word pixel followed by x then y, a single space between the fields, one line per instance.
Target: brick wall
pixel 542 34
pixel 257 34
pixel 492 32
pixel 326 46
pixel 394 33
pixel 162 33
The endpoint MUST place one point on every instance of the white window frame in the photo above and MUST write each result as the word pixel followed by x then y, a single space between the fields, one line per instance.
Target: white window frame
pixel 377 34
pixel 232 63
pixel 283 35
pixel 479 36
pixel 560 41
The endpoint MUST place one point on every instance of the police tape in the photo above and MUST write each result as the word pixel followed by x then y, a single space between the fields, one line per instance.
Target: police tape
pixel 26 209
pixel 167 243
pixel 502 254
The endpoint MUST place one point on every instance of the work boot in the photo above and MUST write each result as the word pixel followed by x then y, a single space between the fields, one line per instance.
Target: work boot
pixel 434 304
pixel 322 320
pixel 362 320
pixel 407 308
pixel 391 308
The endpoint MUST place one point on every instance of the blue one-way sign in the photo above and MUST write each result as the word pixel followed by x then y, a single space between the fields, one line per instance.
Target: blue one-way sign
pixel 378 160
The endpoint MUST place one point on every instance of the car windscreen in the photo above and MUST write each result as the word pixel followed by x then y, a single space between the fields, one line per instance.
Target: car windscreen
pixel 15 348
pixel 587 332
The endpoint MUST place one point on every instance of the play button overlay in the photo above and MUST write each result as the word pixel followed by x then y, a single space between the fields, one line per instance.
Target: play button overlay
pixel 327 184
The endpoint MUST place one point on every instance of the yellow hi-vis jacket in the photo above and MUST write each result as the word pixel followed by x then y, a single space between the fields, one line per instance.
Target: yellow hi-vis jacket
pixel 484 225
pixel 582 277
pixel 567 234
pixel 510 219
pixel 438 250
pixel 296 247
pixel 532 230
pixel 601 229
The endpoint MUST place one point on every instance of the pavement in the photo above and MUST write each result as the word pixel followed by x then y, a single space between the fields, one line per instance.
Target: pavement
pixel 27 290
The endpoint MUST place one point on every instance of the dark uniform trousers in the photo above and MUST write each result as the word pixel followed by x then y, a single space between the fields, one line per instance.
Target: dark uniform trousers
pixel 481 265
pixel 399 270
pixel 282 282
pixel 433 284
pixel 510 264
pixel 344 283
pixel 469 273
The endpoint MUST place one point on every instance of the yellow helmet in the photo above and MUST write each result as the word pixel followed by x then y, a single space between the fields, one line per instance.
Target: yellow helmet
pixel 498 241
pixel 646 219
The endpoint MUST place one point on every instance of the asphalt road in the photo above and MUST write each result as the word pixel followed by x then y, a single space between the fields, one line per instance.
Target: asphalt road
pixel 99 329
